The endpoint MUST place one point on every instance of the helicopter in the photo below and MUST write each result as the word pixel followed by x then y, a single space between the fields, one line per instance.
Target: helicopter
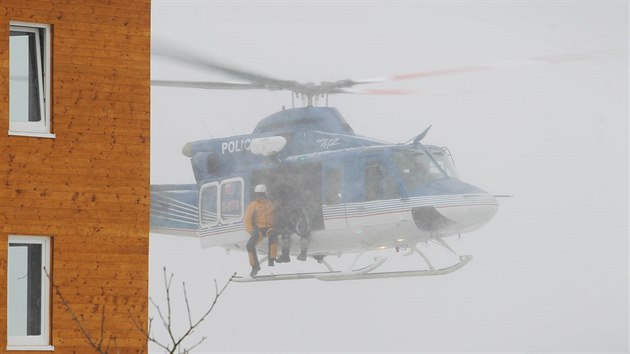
pixel 351 194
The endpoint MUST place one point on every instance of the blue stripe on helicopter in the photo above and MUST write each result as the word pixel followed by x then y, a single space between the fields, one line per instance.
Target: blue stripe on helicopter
pixel 353 210
pixel 349 210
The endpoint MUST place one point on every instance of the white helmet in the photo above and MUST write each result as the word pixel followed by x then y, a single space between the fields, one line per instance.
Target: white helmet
pixel 261 188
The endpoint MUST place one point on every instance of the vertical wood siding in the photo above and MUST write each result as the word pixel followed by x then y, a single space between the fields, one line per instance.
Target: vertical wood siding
pixel 89 187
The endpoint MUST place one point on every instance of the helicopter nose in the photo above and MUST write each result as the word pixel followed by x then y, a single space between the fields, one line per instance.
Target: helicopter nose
pixel 455 207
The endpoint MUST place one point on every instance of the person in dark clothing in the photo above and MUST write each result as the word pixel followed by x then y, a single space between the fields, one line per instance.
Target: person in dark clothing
pixel 288 221
pixel 283 230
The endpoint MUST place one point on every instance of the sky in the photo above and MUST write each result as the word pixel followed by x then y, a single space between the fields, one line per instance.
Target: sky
pixel 550 271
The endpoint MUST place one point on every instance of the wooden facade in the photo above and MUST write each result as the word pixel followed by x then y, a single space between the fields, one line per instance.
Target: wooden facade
pixel 87 188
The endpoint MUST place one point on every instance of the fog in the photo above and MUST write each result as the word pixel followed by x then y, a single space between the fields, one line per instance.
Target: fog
pixel 550 271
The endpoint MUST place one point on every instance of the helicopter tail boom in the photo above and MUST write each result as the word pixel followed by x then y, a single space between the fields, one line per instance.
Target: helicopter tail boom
pixel 174 209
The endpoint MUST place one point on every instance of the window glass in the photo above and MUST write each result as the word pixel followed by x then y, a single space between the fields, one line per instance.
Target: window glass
pixel 25 273
pixel 416 168
pixel 231 200
pixel 25 78
pixel 29 58
pixel 379 184
pixel 444 159
pixel 208 204
pixel 333 186
pixel 27 291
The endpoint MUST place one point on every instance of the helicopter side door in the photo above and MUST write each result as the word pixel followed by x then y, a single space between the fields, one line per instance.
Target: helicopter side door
pixel 377 194
pixel 334 207
pixel 380 183
pixel 298 186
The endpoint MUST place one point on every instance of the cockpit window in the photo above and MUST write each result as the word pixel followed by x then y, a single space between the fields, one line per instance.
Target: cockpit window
pixel 445 160
pixel 416 168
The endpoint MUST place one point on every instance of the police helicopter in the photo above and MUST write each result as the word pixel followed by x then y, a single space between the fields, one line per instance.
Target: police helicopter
pixel 351 193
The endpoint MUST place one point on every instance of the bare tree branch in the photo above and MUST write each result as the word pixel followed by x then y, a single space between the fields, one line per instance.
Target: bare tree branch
pixel 176 345
pixel 198 343
pixel 159 312
pixel 146 333
pixel 167 284
pixel 80 322
pixel 103 346
pixel 187 304
pixel 100 342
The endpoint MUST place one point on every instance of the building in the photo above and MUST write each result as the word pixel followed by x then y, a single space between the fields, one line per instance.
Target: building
pixel 74 127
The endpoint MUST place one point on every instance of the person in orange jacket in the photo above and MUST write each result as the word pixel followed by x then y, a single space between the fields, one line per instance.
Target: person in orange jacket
pixel 259 219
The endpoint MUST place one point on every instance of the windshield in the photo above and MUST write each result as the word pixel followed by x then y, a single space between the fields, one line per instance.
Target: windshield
pixel 445 160
pixel 416 168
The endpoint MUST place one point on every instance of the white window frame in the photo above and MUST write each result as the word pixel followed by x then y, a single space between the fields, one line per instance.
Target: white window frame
pixel 41 342
pixel 41 128
pixel 203 224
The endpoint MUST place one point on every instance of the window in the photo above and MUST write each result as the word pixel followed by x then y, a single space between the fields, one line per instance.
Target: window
pixel 231 200
pixel 445 160
pixel 379 184
pixel 208 205
pixel 416 168
pixel 28 293
pixel 29 80
pixel 334 183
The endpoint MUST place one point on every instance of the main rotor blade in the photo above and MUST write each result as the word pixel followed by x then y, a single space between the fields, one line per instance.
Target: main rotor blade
pixel 385 92
pixel 517 63
pixel 421 74
pixel 400 92
pixel 258 81
pixel 210 85
pixel 177 53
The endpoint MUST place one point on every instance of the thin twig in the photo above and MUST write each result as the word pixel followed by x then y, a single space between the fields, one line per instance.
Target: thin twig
pixel 102 333
pixel 80 321
pixel 216 298
pixel 187 304
pixel 146 333
pixel 198 343
pixel 166 320
pixel 167 284
pixel 159 312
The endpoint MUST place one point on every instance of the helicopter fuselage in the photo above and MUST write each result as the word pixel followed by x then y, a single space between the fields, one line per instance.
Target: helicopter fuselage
pixel 357 193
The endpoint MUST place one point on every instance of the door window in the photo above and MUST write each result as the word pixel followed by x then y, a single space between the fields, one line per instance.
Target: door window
pixel 334 186
pixel 231 200
pixel 208 198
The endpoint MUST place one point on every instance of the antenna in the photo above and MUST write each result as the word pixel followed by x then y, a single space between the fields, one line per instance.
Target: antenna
pixel 206 127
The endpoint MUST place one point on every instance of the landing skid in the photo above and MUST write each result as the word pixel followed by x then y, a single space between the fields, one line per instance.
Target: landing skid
pixel 366 272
